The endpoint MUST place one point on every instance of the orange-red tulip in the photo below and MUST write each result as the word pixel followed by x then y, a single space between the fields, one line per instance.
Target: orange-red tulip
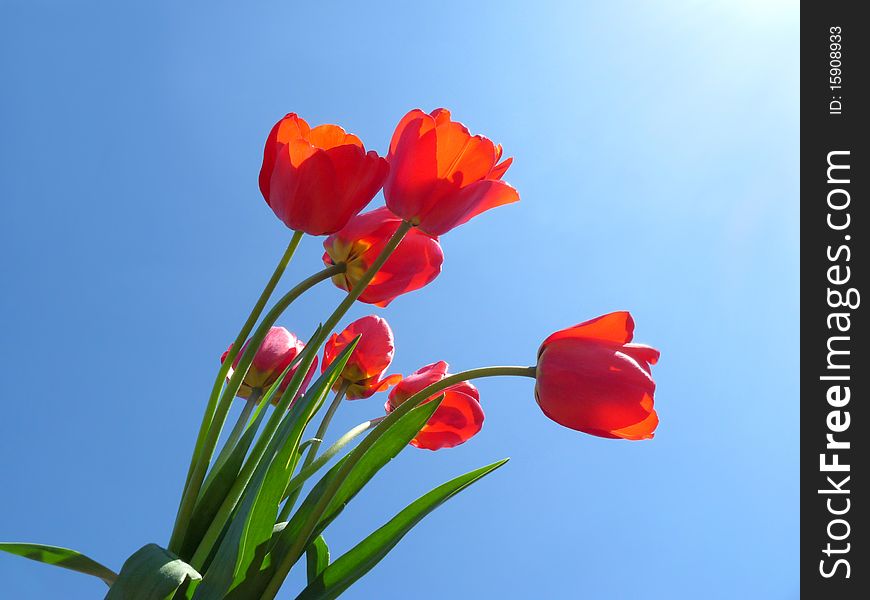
pixel 459 416
pixel 415 262
pixel 316 179
pixel 590 378
pixel 277 351
pixel 440 175
pixel 364 372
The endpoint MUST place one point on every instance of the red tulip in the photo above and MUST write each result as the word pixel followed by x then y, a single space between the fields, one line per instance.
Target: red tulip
pixel 315 180
pixel 440 175
pixel 414 263
pixel 456 420
pixel 590 378
pixel 278 350
pixel 365 368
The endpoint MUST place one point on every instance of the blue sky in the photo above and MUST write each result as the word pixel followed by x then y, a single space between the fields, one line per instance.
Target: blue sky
pixel 656 153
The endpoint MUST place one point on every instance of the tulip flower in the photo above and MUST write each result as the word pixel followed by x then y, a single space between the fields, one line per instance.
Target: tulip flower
pixel 413 264
pixel 459 416
pixel 278 350
pixel 592 379
pixel 440 175
pixel 316 179
pixel 364 372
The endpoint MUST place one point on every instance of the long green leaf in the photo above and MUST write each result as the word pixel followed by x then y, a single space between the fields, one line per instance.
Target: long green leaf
pixel 210 541
pixel 358 561
pixel 317 555
pixel 60 557
pixel 221 480
pixel 244 545
pixel 338 487
pixel 236 348
pixel 151 573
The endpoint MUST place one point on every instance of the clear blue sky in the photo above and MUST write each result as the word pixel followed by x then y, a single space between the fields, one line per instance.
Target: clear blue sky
pixel 656 153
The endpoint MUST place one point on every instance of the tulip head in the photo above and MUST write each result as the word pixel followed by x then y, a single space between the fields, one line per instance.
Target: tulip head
pixel 316 179
pixel 456 420
pixel 592 379
pixel 364 372
pixel 278 350
pixel 440 175
pixel 415 262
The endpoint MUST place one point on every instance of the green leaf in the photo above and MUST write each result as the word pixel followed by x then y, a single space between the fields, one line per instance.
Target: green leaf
pixel 60 557
pixel 151 573
pixel 338 487
pixel 318 557
pixel 244 545
pixel 210 540
pixel 358 561
pixel 218 486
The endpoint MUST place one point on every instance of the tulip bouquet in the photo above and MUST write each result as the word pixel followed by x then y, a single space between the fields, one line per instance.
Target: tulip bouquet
pixel 241 526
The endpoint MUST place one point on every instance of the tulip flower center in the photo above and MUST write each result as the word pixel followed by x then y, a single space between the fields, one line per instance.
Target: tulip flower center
pixel 352 255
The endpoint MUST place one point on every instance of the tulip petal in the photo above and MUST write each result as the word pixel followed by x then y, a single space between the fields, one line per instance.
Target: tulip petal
pixel 388 381
pixel 501 168
pixel 299 185
pixel 639 431
pixel 361 176
pixel 643 355
pixel 329 136
pixel 452 211
pixel 415 263
pixel 416 381
pixel 617 327
pixel 462 158
pixel 412 115
pixel 289 128
pixel 441 116
pixel 413 168
pixel 458 419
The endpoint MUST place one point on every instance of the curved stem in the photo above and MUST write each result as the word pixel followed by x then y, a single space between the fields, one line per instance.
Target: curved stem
pixel 364 281
pixel 295 484
pixel 324 424
pixel 432 389
pixel 317 340
pixel 239 427
pixel 191 494
pixel 235 349
pixel 300 542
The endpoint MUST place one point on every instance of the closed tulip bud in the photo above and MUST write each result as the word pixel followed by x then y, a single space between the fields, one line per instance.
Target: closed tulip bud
pixel 592 379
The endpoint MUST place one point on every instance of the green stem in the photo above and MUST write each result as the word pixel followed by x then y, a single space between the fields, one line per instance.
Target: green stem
pixel 324 424
pixel 301 540
pixel 336 316
pixel 317 340
pixel 188 500
pixel 239 427
pixel 311 468
pixel 316 442
pixel 364 281
pixel 235 349
pixel 434 388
